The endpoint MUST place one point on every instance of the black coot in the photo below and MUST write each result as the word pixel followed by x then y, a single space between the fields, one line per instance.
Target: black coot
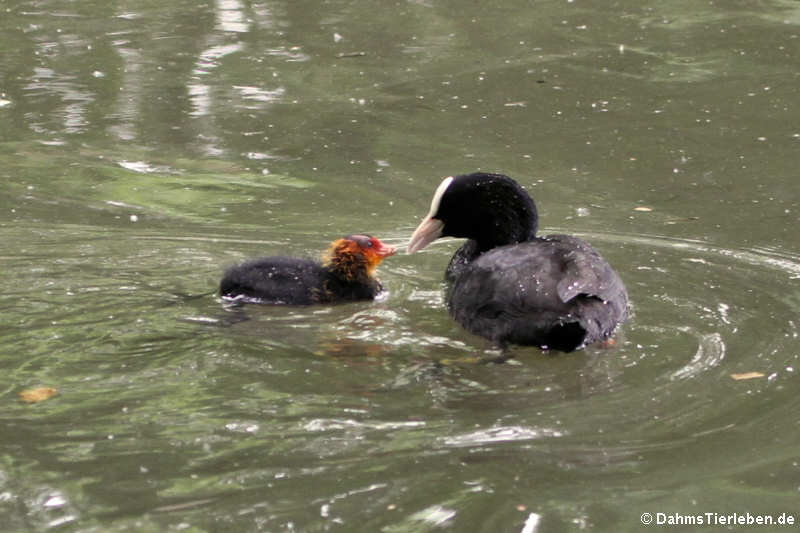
pixel 507 284
pixel 345 274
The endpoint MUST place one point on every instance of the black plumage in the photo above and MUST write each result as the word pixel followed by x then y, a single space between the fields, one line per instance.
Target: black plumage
pixel 345 274
pixel 507 284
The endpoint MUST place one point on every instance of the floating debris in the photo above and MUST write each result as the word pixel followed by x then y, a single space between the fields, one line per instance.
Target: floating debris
pixel 643 209
pixel 351 54
pixel 38 394
pixel 747 375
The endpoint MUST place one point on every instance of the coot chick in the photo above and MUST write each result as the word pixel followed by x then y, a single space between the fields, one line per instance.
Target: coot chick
pixel 507 284
pixel 347 273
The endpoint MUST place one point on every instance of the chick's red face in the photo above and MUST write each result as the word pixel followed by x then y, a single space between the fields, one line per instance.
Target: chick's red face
pixel 372 247
pixel 376 247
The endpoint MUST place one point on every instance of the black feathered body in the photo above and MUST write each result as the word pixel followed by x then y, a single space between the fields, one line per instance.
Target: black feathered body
pixel 294 281
pixel 554 292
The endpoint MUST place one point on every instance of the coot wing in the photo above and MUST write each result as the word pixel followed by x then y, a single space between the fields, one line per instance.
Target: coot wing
pixel 556 292
pixel 584 270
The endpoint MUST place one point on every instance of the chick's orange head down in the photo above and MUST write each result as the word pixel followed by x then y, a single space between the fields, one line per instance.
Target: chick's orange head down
pixel 356 251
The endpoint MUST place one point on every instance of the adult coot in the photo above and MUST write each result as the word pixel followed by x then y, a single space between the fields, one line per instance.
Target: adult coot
pixel 509 285
pixel 346 273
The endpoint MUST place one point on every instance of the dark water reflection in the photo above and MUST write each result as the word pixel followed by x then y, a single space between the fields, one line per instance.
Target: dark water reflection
pixel 144 148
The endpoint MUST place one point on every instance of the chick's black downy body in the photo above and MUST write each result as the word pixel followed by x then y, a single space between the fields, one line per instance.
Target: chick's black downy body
pixel 346 274
pixel 293 281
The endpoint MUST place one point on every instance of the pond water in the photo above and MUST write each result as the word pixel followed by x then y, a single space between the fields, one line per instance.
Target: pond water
pixel 146 146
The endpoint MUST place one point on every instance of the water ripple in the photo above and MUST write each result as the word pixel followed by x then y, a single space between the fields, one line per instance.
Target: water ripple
pixel 710 353
pixel 500 434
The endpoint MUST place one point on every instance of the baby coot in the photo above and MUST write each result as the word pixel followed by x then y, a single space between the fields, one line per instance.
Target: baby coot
pixel 507 284
pixel 347 273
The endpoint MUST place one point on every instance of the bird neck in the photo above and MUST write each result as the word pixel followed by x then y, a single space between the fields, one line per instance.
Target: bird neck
pixel 347 264
pixel 508 227
pixel 467 253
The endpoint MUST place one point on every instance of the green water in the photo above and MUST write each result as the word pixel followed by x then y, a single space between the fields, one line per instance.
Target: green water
pixel 146 146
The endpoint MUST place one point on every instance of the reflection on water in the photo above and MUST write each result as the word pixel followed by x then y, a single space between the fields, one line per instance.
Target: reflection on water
pixel 144 148
pixel 500 434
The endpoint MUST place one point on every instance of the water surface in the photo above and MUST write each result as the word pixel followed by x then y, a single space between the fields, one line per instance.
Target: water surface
pixel 146 147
